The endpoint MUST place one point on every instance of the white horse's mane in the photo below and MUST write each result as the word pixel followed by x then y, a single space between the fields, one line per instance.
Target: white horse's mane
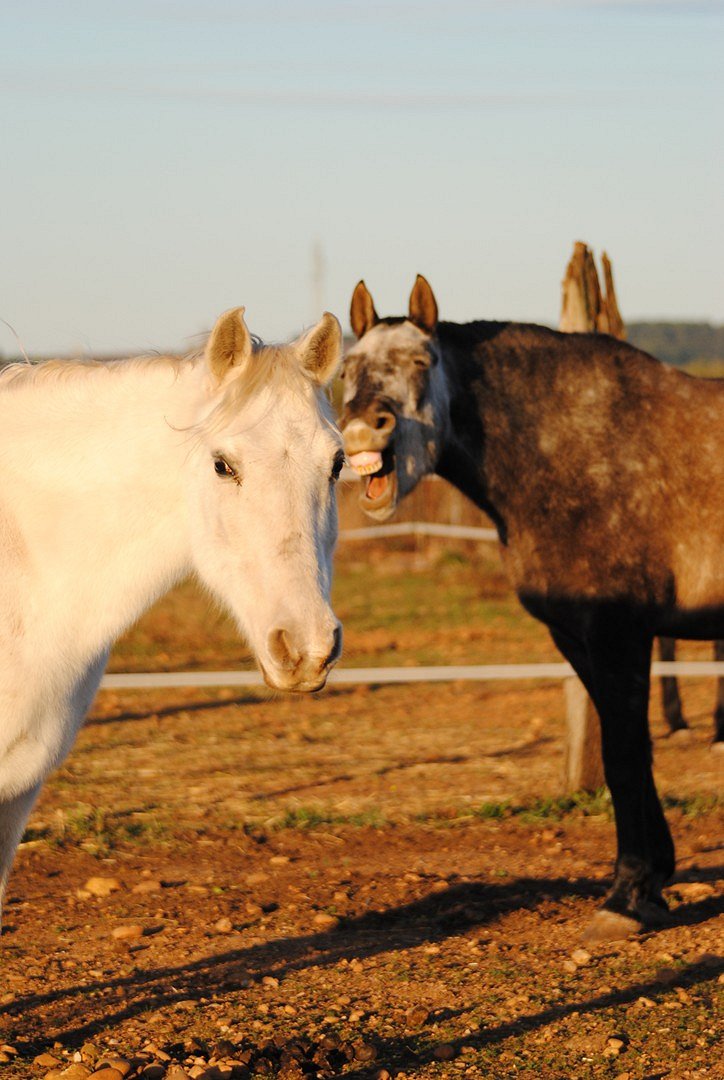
pixel 271 367
pixel 22 373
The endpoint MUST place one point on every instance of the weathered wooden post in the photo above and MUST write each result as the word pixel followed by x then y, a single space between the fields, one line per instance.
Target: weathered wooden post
pixel 585 308
pixel 583 763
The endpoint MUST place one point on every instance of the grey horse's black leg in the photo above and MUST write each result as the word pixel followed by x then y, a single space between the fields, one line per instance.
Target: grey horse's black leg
pixel 670 697
pixel 719 711
pixel 613 661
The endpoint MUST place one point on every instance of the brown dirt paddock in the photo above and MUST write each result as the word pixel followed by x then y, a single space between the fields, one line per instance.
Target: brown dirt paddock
pixel 374 881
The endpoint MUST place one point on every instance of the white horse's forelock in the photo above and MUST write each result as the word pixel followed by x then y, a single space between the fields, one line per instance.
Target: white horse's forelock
pixel 271 369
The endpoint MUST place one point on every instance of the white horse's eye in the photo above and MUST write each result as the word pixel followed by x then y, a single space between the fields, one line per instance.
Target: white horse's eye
pixel 222 468
pixel 337 466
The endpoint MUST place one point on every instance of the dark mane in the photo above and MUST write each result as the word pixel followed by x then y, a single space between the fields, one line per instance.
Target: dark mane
pixel 467 335
pixel 519 336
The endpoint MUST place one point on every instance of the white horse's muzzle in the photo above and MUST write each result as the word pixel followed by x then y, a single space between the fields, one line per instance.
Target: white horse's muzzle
pixel 296 664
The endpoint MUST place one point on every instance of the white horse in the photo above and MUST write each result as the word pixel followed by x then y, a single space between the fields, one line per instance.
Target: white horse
pixel 118 479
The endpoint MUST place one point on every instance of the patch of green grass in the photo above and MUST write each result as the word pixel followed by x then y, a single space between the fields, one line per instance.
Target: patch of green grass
pixel 453 557
pixel 578 803
pixel 587 804
pixel 423 600
pixel 535 812
pixel 316 817
pixel 490 811
pixel 710 369
pixel 33 834
pixel 692 805
pixel 98 830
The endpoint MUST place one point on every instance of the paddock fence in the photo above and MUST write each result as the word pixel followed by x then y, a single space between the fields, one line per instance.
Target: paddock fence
pixel 380 676
pixel 434 510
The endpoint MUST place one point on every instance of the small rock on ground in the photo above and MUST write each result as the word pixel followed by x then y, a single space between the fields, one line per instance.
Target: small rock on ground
pixel 102 886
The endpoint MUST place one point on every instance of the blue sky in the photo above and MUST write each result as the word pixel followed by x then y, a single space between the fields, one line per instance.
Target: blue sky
pixel 164 161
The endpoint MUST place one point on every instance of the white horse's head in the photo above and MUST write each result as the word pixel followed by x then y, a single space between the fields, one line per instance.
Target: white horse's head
pixel 265 514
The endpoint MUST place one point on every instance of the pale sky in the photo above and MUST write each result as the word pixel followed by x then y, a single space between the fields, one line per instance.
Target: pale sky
pixel 163 161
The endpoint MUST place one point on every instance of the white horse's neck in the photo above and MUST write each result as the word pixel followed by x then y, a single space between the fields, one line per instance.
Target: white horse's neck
pixel 92 491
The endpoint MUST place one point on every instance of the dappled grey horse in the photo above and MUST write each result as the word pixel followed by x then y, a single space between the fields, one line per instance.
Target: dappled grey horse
pixel 603 471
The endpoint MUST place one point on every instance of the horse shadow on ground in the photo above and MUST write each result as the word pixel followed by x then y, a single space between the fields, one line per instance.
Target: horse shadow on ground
pixel 94 720
pixel 521 747
pixel 525 745
pixel 405 1057
pixel 261 696
pixel 459 909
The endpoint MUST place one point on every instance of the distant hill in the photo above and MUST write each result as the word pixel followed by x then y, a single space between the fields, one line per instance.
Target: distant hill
pixel 679 343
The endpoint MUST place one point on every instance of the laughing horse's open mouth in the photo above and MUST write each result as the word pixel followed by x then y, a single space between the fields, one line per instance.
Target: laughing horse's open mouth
pixel 380 481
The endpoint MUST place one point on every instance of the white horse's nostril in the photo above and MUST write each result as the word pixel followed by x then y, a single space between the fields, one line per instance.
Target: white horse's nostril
pixel 336 649
pixel 281 649
pixel 298 660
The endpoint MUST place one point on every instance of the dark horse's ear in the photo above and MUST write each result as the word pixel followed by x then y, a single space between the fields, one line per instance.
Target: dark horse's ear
pixel 362 314
pixel 423 306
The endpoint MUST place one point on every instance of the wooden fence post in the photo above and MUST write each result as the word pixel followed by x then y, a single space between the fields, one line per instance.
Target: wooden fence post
pixel 583 763
pixel 585 308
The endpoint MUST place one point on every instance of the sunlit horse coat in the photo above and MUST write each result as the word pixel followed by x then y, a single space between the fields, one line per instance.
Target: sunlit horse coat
pixel 118 479
pixel 603 471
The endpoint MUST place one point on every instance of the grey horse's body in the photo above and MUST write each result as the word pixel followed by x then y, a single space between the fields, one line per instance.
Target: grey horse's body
pixel 603 471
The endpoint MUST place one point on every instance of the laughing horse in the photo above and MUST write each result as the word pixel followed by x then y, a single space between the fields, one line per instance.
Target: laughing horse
pixel 603 472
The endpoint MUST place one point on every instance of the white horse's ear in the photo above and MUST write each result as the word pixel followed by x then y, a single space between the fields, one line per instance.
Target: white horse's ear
pixel 229 345
pixel 423 306
pixel 362 314
pixel 320 349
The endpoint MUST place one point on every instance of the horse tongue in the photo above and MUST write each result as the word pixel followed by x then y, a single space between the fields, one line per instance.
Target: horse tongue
pixel 376 487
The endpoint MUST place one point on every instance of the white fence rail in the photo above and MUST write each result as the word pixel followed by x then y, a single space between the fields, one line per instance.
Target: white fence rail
pixel 399 675
pixel 421 528
pixel 381 675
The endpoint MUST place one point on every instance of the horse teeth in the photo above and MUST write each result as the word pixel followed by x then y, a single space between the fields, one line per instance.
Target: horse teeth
pixel 365 462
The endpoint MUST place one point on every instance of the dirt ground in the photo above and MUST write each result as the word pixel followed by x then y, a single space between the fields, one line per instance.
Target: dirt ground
pixel 371 882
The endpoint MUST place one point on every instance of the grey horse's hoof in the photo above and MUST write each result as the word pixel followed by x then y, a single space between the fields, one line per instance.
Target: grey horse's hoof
pixel 610 926
pixel 654 913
